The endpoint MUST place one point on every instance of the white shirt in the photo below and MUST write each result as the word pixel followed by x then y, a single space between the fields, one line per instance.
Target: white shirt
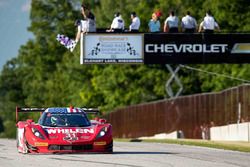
pixel 188 22
pixel 172 22
pixel 135 25
pixel 83 26
pixel 117 23
pixel 209 23
pixel 87 26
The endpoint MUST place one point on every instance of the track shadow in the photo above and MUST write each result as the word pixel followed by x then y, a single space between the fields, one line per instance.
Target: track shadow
pixel 143 152
pixel 135 140
pixel 114 153
pixel 108 162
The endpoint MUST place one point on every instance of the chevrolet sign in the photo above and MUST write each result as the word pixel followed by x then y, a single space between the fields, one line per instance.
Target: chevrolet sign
pixel 241 48
pixel 197 48
pixel 185 48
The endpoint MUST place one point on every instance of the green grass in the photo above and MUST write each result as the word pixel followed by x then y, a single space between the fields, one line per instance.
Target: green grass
pixel 234 146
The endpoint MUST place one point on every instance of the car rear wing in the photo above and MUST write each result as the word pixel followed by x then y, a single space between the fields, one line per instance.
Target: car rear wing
pixel 95 111
pixel 28 110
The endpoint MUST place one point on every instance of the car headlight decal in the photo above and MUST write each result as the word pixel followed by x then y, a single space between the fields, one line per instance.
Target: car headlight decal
pixel 102 132
pixel 37 133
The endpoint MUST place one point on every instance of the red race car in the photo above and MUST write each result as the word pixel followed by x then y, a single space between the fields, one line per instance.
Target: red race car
pixel 63 130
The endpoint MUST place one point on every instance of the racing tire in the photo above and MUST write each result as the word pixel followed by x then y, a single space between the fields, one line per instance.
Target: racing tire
pixel 110 148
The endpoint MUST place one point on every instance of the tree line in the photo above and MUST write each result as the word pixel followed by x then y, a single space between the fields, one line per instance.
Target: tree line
pixel 44 74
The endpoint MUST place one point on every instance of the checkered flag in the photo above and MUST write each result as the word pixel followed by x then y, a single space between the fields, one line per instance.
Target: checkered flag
pixel 66 41
pixel 71 45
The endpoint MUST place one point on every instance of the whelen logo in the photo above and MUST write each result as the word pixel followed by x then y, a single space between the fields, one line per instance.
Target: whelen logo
pixel 55 131
pixel 186 48
pixel 241 48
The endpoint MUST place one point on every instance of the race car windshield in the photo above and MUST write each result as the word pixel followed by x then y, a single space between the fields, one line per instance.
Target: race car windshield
pixel 65 120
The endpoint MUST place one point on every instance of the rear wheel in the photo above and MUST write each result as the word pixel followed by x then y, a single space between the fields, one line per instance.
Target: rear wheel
pixel 18 142
pixel 21 142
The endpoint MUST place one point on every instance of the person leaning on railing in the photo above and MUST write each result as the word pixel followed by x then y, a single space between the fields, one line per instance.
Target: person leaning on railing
pixel 117 25
pixel 154 24
pixel 208 25
pixel 135 25
pixel 171 23
pixel 188 23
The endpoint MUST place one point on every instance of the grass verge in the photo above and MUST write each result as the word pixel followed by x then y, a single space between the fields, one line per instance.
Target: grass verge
pixel 234 146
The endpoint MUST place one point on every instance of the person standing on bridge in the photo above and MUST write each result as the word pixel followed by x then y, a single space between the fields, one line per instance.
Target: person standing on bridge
pixel 208 25
pixel 88 24
pixel 171 23
pixel 154 24
pixel 117 25
pixel 135 25
pixel 188 23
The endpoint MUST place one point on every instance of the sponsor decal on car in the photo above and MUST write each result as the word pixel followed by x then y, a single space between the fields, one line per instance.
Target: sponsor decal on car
pixel 100 143
pixel 64 131
pixel 70 137
pixel 41 144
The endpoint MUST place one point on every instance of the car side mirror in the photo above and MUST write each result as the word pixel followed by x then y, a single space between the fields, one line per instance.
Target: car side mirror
pixel 29 121
pixel 102 121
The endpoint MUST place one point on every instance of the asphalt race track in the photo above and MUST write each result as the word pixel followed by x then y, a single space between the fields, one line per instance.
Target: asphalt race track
pixel 133 154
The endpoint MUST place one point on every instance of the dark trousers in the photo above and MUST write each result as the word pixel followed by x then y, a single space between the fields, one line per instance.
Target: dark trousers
pixel 189 30
pixel 135 31
pixel 173 30
pixel 209 31
pixel 116 30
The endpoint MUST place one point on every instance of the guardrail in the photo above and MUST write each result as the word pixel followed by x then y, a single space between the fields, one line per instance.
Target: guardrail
pixel 233 132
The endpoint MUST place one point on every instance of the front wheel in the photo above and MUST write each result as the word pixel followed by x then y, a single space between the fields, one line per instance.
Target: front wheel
pixel 110 148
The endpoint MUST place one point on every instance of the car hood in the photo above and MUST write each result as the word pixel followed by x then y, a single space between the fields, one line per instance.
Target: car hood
pixel 71 133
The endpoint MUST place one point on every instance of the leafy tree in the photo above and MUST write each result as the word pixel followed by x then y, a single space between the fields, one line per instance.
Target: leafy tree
pixel 1 125
pixel 37 60
pixel 10 95
pixel 128 84
pixel 230 13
